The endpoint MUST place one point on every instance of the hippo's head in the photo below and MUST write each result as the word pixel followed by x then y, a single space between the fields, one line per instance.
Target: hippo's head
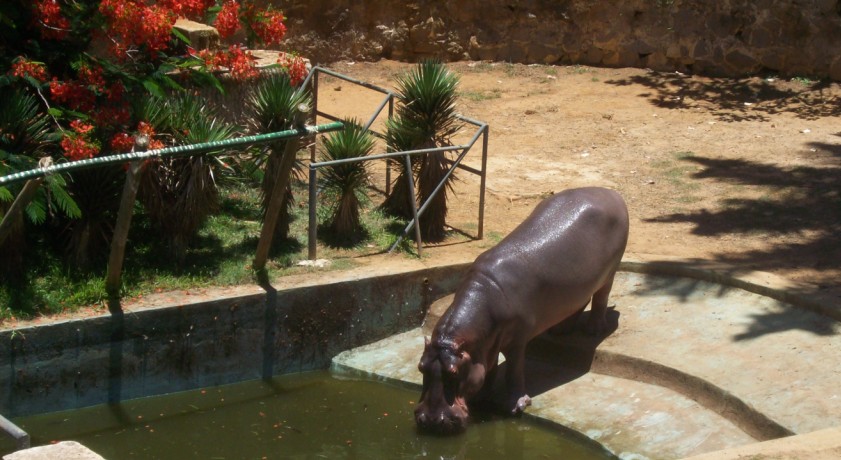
pixel 449 379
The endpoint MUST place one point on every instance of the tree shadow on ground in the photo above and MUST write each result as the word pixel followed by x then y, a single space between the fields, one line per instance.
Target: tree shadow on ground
pixel 803 202
pixel 729 100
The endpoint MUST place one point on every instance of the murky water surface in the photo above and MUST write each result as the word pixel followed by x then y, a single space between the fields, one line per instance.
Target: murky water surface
pixel 312 415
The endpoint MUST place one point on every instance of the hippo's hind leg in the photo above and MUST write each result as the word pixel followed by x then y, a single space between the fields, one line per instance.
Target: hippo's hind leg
pixel 597 322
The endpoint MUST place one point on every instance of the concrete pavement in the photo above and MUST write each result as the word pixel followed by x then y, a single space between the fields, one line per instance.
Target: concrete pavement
pixel 695 365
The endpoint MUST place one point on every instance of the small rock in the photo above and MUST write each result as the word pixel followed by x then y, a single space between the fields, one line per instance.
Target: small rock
pixel 806 131
pixel 318 263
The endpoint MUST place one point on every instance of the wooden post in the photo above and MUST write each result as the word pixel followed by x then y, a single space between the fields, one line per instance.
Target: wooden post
pixel 281 181
pixel 16 210
pixel 22 200
pixel 121 228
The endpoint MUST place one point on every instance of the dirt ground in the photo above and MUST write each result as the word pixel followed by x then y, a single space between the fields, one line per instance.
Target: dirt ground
pixel 744 173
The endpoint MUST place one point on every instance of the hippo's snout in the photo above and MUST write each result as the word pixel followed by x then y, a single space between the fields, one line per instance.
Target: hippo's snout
pixel 448 420
pixel 444 422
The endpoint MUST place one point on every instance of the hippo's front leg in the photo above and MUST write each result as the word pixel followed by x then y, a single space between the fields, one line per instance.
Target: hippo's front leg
pixel 515 379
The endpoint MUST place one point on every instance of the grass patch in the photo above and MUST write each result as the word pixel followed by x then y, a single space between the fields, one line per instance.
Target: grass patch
pixel 221 254
pixel 478 96
pixel 578 69
pixel 677 173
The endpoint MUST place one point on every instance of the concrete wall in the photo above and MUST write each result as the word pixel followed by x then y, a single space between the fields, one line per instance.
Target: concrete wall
pixel 84 362
pixel 723 37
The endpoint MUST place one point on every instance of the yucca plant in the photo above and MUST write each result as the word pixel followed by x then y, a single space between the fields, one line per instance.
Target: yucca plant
pixel 86 240
pixel 401 136
pixel 25 137
pixel 274 107
pixel 428 116
pixel 346 182
pixel 179 193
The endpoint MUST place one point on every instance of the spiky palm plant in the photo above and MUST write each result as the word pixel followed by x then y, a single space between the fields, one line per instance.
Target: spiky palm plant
pixel 274 106
pixel 428 111
pixel 24 139
pixel 179 193
pixel 401 136
pixel 347 181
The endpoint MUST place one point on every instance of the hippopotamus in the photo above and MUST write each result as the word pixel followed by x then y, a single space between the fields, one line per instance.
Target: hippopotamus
pixel 544 272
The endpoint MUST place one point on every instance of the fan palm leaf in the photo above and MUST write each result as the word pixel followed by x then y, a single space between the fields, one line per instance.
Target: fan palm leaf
pixel 24 138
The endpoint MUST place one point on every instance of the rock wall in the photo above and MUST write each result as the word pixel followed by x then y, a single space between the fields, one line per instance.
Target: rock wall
pixel 722 37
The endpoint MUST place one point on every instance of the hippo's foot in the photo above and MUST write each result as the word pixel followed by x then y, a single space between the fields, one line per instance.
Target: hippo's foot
pixel 520 405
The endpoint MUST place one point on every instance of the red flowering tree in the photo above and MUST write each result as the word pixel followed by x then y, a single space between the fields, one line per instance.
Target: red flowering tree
pixel 88 59
pixel 88 62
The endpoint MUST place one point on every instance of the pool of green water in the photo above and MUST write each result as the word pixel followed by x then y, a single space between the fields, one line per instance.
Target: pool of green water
pixel 306 416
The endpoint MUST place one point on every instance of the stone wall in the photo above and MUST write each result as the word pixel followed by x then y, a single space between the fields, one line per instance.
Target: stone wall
pixel 722 37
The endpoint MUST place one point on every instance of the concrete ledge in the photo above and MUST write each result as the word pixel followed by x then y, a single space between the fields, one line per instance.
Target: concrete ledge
pixel 762 283
pixel 818 445
pixel 65 450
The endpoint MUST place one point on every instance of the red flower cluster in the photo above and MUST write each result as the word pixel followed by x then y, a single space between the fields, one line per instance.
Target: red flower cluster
pixel 238 61
pixel 89 94
pixel 295 66
pixel 122 143
pixel 132 24
pixel 114 110
pixel 227 20
pixel 77 145
pixel 149 131
pixel 267 25
pixel 52 24
pixel 23 67
pixel 193 9
pixel 91 76
pixel 73 94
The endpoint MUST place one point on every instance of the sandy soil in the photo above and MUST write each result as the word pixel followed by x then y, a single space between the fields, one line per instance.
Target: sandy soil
pixel 740 172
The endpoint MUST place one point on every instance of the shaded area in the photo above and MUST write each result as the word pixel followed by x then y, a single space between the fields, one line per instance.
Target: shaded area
pixel 787 319
pixel 556 359
pixel 745 99
pixel 780 317
pixel 803 201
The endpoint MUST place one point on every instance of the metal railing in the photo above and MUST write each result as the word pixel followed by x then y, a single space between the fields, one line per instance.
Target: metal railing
pixel 389 99
pixel 22 439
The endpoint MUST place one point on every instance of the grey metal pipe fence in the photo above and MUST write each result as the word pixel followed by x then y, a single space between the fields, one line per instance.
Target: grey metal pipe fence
pixel 483 130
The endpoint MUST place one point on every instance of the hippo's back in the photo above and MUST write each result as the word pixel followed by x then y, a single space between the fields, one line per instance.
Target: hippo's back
pixel 569 245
